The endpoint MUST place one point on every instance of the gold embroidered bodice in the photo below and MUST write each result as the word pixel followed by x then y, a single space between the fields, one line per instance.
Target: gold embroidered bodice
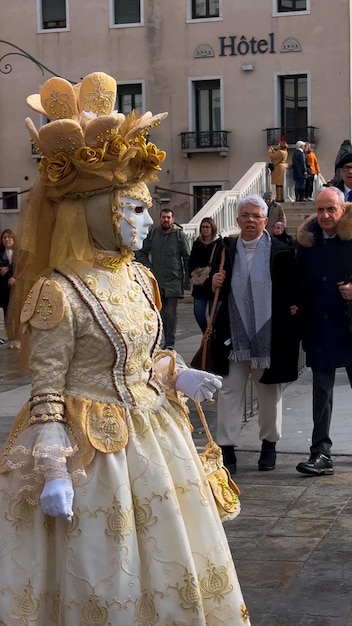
pixel 102 348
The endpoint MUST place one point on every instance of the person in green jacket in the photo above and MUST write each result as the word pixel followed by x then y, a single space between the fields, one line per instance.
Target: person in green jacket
pixel 166 252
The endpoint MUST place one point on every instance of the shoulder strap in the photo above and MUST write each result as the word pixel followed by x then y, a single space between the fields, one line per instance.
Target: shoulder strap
pixel 212 253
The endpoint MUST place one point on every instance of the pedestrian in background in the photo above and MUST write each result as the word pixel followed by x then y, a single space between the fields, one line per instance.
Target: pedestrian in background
pixel 7 244
pixel 166 252
pixel 313 169
pixel 346 147
pixel 257 291
pixel 300 172
pixel 275 211
pixel 345 168
pixel 324 267
pixel 202 255
pixel 280 233
pixel 278 157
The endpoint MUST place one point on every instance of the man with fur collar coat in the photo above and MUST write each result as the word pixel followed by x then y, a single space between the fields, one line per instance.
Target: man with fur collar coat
pixel 324 264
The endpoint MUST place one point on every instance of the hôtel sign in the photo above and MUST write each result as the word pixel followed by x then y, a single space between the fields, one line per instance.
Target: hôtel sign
pixel 235 45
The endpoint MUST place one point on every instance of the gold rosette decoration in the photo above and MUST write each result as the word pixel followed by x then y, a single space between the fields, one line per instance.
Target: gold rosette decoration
pixel 155 156
pixel 89 155
pixel 56 168
pixel 117 148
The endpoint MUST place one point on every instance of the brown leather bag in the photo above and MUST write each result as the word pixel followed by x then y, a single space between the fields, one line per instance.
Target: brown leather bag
pixel 200 274
pixel 204 357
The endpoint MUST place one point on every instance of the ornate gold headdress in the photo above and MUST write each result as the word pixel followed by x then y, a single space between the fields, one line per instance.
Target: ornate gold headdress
pixel 88 146
pixel 86 149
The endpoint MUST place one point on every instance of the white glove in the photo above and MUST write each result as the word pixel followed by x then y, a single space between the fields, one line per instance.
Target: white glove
pixel 197 384
pixel 56 498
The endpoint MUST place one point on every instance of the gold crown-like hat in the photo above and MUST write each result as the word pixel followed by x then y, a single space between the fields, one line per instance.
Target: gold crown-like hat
pixel 87 140
pixel 87 150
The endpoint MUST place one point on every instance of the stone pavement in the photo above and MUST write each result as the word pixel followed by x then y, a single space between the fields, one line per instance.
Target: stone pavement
pixel 292 542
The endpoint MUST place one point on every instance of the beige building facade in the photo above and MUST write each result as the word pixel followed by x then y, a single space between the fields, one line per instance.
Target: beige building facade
pixel 234 75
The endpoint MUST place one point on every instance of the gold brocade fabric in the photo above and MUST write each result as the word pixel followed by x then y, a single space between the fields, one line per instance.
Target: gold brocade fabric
pixel 146 546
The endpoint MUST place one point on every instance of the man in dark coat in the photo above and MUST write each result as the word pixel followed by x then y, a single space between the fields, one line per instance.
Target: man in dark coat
pixel 345 169
pixel 300 172
pixel 345 148
pixel 255 330
pixel 324 264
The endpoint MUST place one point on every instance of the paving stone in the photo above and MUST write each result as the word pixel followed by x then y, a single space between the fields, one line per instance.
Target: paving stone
pixel 315 593
pixel 266 574
pixel 244 526
pixel 283 549
pixel 315 505
pixel 291 619
pixel 281 493
pixel 301 527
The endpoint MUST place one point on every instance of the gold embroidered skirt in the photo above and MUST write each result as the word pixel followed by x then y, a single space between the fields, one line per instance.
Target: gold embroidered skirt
pixel 145 547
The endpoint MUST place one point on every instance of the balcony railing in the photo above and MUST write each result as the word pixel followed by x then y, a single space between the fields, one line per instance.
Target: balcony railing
pixel 292 134
pixel 205 141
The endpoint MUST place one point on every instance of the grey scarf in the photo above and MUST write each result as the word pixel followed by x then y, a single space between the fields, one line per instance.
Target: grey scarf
pixel 250 305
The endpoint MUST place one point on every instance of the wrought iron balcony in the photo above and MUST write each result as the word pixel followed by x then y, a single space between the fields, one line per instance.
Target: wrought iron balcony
pixel 205 141
pixel 292 134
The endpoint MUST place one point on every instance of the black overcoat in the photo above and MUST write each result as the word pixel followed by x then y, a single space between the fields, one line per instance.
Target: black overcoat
pixel 284 330
pixel 321 264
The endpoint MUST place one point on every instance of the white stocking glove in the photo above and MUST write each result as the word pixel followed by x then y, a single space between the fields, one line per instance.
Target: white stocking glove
pixel 197 384
pixel 57 498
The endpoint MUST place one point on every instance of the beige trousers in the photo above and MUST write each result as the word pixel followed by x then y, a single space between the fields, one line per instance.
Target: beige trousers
pixel 231 404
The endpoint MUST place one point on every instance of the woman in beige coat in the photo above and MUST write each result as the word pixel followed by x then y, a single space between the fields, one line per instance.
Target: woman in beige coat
pixel 278 157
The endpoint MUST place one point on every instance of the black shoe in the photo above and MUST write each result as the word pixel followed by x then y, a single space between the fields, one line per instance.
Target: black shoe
pixel 319 464
pixel 267 459
pixel 2 341
pixel 229 458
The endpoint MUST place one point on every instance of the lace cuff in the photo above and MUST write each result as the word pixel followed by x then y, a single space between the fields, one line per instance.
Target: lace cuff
pixel 44 452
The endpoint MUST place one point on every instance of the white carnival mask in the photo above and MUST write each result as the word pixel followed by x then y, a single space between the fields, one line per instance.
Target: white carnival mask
pixel 134 222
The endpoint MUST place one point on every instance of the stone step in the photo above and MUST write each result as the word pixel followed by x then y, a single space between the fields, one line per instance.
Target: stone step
pixel 296 213
pixel 298 207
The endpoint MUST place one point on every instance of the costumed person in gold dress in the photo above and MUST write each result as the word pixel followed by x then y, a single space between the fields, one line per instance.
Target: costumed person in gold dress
pixel 106 514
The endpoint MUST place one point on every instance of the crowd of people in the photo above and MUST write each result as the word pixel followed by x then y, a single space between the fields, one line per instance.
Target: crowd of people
pixel 305 169
pixel 275 294
pixel 257 311
pixel 271 298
